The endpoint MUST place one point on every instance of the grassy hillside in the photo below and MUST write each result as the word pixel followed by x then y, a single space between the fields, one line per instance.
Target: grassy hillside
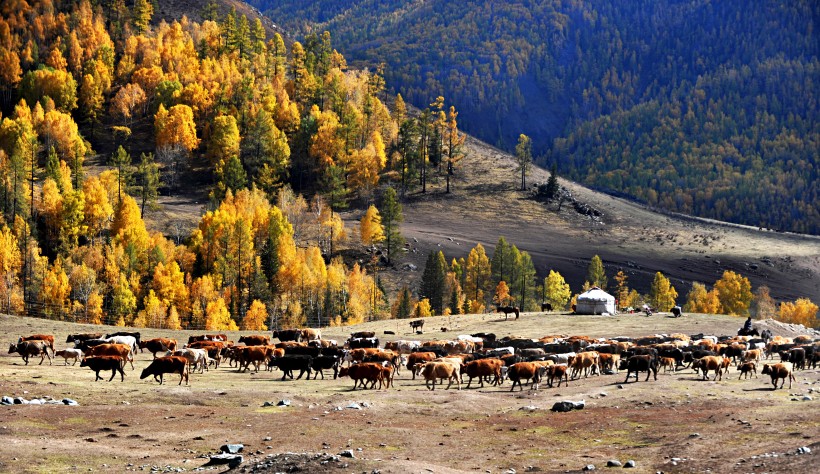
pixel 697 107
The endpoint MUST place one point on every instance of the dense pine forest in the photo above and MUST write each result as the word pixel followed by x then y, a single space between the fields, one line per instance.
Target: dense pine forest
pixel 708 108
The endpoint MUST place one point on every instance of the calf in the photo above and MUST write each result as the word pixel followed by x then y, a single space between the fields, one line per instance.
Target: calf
pixel 747 369
pixel 98 363
pixel 557 371
pixel 27 349
pixel 667 364
pixel 433 371
pixel 779 371
pixel 290 363
pixel 69 354
pixel 608 362
pixel 586 361
pixel 640 363
pixel 167 365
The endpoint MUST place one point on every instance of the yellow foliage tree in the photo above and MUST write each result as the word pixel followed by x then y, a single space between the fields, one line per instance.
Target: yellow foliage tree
pixel 735 293
pixel 169 284
pixel 763 306
pixel 476 277
pixel 661 293
pixel 256 317
pixel 10 265
pixel 557 290
pixel 56 290
pixel 154 312
pixel 217 317
pixel 371 227
pixel 502 294
pixel 97 210
pixel 176 127
pixel 94 309
pixel 699 300
pixel 172 322
pixel 423 309
pixel 802 311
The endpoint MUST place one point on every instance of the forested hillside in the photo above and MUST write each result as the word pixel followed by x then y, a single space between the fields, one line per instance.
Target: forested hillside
pixel 698 107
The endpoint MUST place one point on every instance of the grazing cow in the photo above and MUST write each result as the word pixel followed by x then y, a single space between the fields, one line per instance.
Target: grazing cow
pixel 98 363
pixel 83 337
pixel 167 365
pixel 289 363
pixel 48 338
pixel 432 371
pixel 708 363
pixel 747 369
pixel 288 335
pixel 309 334
pixel 529 371
pixel 27 349
pixel 159 344
pixel 779 371
pixel 362 335
pixel 507 310
pixel 123 351
pixel 417 325
pixel 69 354
pixel 559 372
pixel 325 362
pixel 255 340
pixel 640 363
pixel 363 373
pixel 482 368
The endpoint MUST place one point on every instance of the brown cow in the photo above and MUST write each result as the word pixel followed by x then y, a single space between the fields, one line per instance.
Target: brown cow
pixel 416 359
pixel 167 365
pixel 528 371
pixel 432 371
pixel 48 338
pixel 557 371
pixel 255 340
pixel 105 362
pixel 747 369
pixel 159 344
pixel 708 363
pixel 119 350
pixel 667 364
pixel 255 355
pixel 586 361
pixel 779 371
pixel 482 368
pixel 363 373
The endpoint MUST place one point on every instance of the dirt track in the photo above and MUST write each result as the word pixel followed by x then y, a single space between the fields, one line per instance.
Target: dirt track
pixel 138 424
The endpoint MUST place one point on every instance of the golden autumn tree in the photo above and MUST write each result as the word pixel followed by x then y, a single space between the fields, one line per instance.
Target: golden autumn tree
pixel 203 291
pixel 661 293
pixel 701 300
pixel 502 294
pixel 175 127
pixel 735 293
pixel 422 309
pixel 10 266
pixel 97 210
pixel 170 287
pixel 476 277
pixel 56 291
pixel 224 141
pixel 153 314
pixel 557 290
pixel 83 281
pixel 123 301
pixel 370 227
pixel 256 317
pixel 217 317
pixel 802 311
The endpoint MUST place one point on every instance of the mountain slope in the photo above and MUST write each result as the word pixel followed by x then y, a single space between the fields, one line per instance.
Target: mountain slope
pixel 563 70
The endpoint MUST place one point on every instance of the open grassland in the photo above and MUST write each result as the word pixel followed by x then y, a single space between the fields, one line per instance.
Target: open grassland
pixel 137 423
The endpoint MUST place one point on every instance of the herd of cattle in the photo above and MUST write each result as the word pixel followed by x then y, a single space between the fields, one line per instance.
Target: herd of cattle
pixel 481 356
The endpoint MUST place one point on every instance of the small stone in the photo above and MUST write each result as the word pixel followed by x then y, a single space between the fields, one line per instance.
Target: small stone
pixel 589 467
pixel 232 448
pixel 354 406
pixel 7 401
pixel 807 398
pixel 283 403
pixel 803 450
pixel 603 394
pixel 694 435
pixel 347 453
pixel 267 438
pixel 91 440
pixel 620 386
pixel 509 471
pixel 613 463
pixel 629 463
pixel 528 408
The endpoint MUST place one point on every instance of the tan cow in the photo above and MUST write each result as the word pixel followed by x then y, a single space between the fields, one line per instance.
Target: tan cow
pixel 433 371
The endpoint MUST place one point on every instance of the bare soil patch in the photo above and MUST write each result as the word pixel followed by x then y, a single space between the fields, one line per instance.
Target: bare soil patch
pixel 137 425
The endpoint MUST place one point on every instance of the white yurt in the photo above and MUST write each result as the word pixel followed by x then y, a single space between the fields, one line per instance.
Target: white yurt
pixel 595 301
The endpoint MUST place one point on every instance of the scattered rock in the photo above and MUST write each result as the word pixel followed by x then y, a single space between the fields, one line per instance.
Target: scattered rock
pixel 629 463
pixel 347 453
pixel 803 450
pixel 613 463
pixel 232 448
pixel 283 403
pixel 620 386
pixel 528 408
pixel 267 438
pixel 231 460
pixel 354 406
pixel 69 402
pixel 568 405
pixel 694 435
pixel 807 398
pixel 7 401
pixel 589 467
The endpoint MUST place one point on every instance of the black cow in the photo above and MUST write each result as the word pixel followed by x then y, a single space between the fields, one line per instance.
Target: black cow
pixel 640 363
pixel 27 349
pixel 766 335
pixel 88 343
pixel 439 351
pixel 546 307
pixel 83 337
pixel 797 356
pixel 324 362
pixel 98 363
pixel 363 342
pixel 288 363
pixel 288 335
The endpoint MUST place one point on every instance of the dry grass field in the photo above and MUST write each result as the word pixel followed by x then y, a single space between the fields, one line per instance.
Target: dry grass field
pixel 137 425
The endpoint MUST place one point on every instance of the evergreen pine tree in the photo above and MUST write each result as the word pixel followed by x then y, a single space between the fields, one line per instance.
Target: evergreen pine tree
pixel 432 281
